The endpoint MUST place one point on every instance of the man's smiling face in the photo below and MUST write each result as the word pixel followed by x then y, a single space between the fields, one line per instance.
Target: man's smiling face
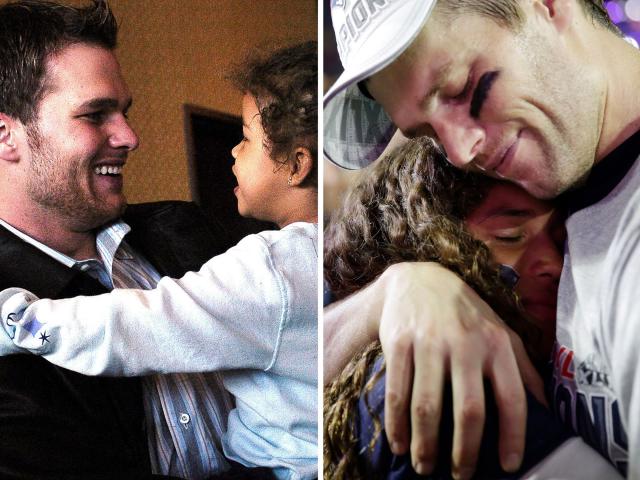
pixel 80 140
pixel 511 102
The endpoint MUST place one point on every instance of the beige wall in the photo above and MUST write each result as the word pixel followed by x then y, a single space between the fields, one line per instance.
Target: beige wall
pixel 177 51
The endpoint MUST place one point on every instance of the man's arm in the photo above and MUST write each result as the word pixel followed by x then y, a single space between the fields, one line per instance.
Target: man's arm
pixel 431 324
pixel 349 325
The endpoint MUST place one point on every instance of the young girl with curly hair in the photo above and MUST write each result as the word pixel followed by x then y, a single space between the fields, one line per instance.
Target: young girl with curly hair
pixel 250 313
pixel 413 206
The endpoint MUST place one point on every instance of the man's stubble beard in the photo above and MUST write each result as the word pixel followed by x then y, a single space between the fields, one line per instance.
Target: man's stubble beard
pixel 570 146
pixel 55 186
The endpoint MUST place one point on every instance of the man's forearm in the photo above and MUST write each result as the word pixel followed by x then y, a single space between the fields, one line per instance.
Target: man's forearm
pixel 350 324
pixel 354 322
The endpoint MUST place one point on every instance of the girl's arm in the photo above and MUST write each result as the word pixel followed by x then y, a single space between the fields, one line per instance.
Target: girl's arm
pixel 234 313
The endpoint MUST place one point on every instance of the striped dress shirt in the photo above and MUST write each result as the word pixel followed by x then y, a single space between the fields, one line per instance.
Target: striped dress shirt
pixel 186 414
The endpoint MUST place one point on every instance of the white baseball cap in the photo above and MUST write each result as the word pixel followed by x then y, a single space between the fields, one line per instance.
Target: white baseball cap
pixel 370 35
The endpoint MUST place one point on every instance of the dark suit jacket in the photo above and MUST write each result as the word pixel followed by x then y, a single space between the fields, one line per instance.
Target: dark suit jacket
pixel 55 423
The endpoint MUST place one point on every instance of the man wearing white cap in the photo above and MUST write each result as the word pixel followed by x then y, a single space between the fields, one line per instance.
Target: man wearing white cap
pixel 542 93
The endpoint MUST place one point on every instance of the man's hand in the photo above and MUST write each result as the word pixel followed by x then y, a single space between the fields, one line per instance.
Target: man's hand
pixel 432 325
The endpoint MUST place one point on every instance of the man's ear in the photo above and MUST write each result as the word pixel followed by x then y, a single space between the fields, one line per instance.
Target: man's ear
pixel 8 138
pixel 559 12
pixel 300 167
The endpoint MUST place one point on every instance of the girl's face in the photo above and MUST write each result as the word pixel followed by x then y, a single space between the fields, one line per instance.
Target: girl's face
pixel 528 235
pixel 261 181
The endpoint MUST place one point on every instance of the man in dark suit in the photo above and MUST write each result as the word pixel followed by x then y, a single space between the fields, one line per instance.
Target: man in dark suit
pixel 64 139
pixel 55 423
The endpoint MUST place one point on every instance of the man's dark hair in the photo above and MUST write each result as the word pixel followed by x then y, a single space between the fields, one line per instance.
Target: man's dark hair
pixel 30 32
pixel 285 86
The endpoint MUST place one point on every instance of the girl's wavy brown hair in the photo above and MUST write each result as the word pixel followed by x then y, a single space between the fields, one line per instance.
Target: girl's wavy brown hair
pixel 407 207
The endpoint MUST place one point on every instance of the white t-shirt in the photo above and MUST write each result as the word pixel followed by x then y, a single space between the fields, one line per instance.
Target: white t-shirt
pixel 596 382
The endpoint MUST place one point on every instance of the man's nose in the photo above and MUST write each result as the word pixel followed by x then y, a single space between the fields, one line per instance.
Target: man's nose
pixel 460 135
pixel 122 135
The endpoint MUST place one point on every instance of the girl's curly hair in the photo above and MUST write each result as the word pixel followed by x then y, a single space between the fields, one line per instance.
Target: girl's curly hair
pixel 285 87
pixel 407 207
